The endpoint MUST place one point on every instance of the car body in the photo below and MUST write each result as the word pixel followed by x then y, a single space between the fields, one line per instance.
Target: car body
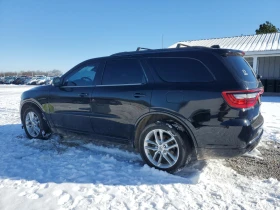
pixel 49 80
pixel 207 99
pixel 9 80
pixel 27 80
pixel 41 81
pixel 35 79
pixel 20 80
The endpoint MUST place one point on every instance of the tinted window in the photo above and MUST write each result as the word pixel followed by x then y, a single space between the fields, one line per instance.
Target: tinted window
pixel 83 76
pixel 242 68
pixel 126 71
pixel 181 70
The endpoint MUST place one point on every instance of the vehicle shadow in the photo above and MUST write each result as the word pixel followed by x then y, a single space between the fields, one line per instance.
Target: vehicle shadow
pixel 60 160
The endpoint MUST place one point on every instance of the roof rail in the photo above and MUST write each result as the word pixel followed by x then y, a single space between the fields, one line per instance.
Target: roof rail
pixel 181 45
pixel 215 46
pixel 142 48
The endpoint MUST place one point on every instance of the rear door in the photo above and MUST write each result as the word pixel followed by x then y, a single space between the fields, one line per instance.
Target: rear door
pixel 70 104
pixel 246 77
pixel 123 95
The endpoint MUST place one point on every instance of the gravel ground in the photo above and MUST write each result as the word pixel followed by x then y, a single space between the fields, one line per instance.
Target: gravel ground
pixel 267 166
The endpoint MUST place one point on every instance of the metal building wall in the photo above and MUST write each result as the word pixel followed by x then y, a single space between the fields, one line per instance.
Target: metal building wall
pixel 269 67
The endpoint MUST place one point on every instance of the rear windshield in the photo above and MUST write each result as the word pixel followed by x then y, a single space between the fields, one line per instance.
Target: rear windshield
pixel 181 70
pixel 242 69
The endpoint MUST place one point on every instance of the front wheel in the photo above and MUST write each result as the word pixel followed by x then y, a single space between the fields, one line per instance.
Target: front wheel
pixel 161 146
pixel 34 124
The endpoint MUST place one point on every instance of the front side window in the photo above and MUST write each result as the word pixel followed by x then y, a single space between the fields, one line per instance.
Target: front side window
pixel 181 70
pixel 123 72
pixel 84 76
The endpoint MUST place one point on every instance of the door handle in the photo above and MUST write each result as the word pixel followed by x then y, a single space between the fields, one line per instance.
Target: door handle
pixel 83 94
pixel 138 95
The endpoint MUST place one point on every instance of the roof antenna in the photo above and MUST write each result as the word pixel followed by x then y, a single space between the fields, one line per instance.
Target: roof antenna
pixel 162 41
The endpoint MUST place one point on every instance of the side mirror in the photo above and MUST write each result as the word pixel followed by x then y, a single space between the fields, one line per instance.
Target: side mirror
pixel 259 77
pixel 56 82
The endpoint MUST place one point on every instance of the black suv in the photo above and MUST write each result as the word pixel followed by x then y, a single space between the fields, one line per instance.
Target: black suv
pixel 169 104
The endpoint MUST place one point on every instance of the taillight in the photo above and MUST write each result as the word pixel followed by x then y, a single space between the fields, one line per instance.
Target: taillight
pixel 242 99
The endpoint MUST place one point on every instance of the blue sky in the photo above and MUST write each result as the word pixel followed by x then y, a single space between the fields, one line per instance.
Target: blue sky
pixel 58 34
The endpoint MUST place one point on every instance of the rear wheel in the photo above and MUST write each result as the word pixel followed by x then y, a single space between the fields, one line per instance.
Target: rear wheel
pixel 34 124
pixel 161 146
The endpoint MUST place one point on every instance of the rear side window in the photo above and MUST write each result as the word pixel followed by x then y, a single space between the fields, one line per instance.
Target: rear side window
pixel 181 70
pixel 242 69
pixel 123 72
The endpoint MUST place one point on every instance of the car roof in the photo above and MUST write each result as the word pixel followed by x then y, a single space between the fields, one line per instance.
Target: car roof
pixel 147 52
pixel 160 52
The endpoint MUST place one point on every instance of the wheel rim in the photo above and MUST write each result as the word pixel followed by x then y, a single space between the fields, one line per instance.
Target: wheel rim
pixel 32 124
pixel 161 148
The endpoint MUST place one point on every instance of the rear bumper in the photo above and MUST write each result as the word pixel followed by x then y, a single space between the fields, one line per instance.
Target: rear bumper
pixel 216 153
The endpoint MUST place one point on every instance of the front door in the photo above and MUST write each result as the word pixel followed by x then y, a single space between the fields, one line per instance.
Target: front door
pixel 69 104
pixel 123 96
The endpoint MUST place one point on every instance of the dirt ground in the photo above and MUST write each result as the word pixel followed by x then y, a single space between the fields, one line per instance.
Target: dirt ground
pixel 267 166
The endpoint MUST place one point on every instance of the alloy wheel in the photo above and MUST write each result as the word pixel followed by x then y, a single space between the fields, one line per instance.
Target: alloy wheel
pixel 32 123
pixel 161 148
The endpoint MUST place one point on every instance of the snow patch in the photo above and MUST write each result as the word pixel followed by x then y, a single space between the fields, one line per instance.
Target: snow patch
pixel 89 176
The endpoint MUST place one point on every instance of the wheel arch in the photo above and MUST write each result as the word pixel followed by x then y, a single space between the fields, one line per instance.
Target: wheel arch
pixel 27 103
pixel 149 118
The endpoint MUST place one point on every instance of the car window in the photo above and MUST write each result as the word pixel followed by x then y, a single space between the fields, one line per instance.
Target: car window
pixel 242 68
pixel 84 76
pixel 181 70
pixel 126 71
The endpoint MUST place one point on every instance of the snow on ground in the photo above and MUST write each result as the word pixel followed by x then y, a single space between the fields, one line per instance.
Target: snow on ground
pixel 37 174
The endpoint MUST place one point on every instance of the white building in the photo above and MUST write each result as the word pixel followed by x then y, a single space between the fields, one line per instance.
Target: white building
pixel 261 51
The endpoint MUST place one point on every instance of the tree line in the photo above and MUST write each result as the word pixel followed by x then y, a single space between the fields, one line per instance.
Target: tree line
pixel 54 73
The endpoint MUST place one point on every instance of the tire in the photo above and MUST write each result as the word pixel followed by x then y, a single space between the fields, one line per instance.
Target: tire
pixel 34 124
pixel 155 151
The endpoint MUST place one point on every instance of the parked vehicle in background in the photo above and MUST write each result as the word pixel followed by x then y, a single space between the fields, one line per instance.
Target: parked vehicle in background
pixel 27 80
pixel 44 81
pixel 35 79
pixel 41 81
pixel 17 81
pixel 49 80
pixel 9 80
pixel 1 80
pixel 20 80
pixel 171 105
pixel 32 81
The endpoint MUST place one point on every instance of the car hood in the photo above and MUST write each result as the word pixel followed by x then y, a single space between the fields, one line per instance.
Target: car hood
pixel 40 88
pixel 37 93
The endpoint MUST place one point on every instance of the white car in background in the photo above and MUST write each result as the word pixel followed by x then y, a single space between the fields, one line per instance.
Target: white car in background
pixel 35 79
pixel 44 81
pixel 41 81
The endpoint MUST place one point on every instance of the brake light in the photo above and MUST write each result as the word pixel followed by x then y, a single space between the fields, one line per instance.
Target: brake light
pixel 242 99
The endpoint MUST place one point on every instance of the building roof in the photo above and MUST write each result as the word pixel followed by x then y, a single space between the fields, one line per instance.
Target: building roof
pixel 248 43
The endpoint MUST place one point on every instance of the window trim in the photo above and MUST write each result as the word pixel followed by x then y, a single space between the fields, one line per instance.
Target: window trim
pixel 210 72
pixel 132 84
pixel 78 86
